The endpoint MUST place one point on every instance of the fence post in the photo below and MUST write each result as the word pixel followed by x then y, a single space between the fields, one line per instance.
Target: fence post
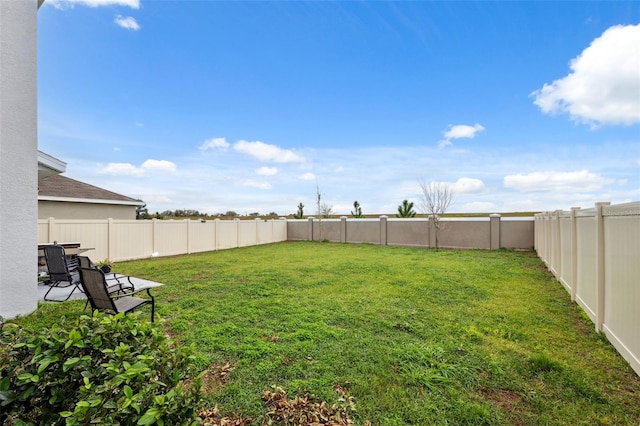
pixel 216 233
pixel 600 266
pixel 549 237
pixel 50 234
pixel 154 231
pixel 343 229
pixel 557 244
pixel 257 221
pixel 237 220
pixel 494 220
pixel 189 236
pixel 310 229
pixel 110 239
pixel 574 252
pixel 383 230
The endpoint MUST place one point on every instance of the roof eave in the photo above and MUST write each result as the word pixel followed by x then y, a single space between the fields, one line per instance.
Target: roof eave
pixel 136 203
pixel 49 166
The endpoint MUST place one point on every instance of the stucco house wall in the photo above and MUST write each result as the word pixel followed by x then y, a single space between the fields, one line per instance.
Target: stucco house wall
pixel 18 157
pixel 71 210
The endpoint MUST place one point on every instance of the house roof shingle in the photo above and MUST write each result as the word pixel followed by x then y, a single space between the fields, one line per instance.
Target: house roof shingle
pixel 64 187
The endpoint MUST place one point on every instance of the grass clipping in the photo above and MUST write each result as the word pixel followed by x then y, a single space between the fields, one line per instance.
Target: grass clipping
pixel 301 410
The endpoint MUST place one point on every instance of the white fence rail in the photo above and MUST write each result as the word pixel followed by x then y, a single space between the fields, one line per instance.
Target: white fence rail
pixel 121 240
pixel 595 254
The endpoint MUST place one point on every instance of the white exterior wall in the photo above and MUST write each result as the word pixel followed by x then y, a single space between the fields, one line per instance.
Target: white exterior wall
pixel 18 157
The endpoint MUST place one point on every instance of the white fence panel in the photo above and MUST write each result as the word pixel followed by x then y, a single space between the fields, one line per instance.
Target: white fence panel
pixel 202 236
pixel 247 233
pixel 92 234
pixel 121 240
pixel 227 233
pixel 622 282
pixel 566 253
pixel 264 231
pixel 171 237
pixel 130 239
pixel 586 291
pixel 279 230
pixel 596 254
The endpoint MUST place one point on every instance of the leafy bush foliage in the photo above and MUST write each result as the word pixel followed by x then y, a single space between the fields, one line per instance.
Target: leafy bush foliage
pixel 100 370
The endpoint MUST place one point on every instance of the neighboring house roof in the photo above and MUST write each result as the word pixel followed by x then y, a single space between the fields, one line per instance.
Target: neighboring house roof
pixel 49 165
pixel 62 188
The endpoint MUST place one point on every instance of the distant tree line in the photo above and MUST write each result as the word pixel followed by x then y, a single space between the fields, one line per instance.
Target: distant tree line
pixel 142 213
pixel 435 200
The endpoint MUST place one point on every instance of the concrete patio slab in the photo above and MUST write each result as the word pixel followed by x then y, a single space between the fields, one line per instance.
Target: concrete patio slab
pixel 61 293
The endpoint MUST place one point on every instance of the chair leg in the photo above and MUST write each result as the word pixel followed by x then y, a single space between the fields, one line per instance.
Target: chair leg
pixel 153 304
pixel 75 287
pixel 47 293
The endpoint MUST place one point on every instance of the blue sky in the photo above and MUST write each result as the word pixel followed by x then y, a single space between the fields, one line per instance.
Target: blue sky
pixel 252 106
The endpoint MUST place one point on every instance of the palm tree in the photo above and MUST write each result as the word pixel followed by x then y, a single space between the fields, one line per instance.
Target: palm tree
pixel 357 212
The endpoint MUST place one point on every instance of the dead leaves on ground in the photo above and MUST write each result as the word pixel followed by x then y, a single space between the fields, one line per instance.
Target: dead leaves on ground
pixel 306 410
pixel 301 410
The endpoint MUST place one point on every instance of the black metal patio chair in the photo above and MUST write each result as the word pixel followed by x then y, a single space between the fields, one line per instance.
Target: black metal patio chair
pixel 117 283
pixel 62 271
pixel 94 284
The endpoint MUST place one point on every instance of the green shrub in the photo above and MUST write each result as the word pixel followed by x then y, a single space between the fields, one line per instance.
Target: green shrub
pixel 101 370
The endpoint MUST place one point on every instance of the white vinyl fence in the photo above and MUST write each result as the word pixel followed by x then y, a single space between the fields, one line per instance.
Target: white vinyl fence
pixel 595 254
pixel 121 240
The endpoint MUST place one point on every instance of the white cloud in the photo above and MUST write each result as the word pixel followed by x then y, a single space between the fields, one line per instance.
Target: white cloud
pixel 459 131
pixel 128 22
pixel 260 184
pixel 267 171
pixel 467 186
pixel 215 143
pixel 61 4
pixel 128 169
pixel 267 152
pixel 159 165
pixel 121 169
pixel 580 181
pixel 604 84
pixel 308 176
pixel 463 186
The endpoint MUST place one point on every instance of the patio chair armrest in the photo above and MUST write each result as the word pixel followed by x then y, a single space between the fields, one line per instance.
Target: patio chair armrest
pixel 134 292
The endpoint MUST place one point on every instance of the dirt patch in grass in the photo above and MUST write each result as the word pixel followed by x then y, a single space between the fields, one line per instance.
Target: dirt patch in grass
pixel 202 276
pixel 509 403
pixel 216 376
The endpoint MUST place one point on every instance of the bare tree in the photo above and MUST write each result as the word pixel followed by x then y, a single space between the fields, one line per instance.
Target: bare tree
pixel 435 199
pixel 323 209
pixel 326 210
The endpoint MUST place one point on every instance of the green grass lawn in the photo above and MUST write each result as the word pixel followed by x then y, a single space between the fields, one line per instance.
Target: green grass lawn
pixel 417 336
